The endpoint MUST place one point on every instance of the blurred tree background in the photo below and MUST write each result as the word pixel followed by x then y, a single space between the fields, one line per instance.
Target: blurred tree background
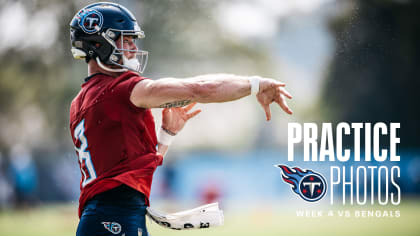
pixel 374 75
pixel 36 85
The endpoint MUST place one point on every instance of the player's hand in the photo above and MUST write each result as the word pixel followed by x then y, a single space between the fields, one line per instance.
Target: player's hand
pixel 174 119
pixel 273 91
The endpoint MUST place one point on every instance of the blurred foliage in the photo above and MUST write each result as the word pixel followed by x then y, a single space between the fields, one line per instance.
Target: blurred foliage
pixel 375 71
pixel 184 39
pixel 36 80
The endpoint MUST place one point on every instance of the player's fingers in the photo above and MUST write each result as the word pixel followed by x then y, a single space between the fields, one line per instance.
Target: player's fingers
pixel 285 93
pixel 192 114
pixel 279 84
pixel 187 108
pixel 267 111
pixel 282 103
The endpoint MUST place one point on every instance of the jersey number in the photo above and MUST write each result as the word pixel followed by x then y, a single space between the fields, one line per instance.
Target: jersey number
pixel 86 166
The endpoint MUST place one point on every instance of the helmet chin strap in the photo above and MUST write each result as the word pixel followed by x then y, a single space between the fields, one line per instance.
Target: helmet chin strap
pixel 131 64
pixel 109 69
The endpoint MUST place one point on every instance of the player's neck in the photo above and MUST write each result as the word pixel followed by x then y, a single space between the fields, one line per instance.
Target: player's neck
pixel 94 68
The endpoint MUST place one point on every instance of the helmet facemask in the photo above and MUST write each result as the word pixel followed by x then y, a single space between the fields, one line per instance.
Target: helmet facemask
pixel 137 59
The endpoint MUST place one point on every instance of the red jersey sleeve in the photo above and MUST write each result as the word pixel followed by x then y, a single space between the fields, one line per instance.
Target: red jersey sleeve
pixel 123 87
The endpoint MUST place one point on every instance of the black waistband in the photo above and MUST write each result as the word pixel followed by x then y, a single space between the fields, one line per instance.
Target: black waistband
pixel 122 193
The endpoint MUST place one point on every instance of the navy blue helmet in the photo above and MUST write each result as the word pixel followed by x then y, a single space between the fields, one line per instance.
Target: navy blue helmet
pixel 94 34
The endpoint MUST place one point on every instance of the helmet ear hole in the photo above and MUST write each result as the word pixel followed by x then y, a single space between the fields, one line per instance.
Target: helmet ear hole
pixel 121 21
pixel 97 45
pixel 114 58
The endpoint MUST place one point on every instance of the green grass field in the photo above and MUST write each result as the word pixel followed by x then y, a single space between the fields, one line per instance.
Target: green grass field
pixel 62 220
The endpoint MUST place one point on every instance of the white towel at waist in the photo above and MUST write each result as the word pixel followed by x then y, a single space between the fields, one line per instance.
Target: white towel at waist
pixel 201 217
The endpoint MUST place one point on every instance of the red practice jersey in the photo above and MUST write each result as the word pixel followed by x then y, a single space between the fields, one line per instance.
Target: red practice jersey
pixel 115 141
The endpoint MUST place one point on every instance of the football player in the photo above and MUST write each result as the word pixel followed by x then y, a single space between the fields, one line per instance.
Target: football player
pixel 111 124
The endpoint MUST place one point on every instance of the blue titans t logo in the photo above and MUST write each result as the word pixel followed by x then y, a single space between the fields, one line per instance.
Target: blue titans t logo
pixel 309 185
pixel 90 20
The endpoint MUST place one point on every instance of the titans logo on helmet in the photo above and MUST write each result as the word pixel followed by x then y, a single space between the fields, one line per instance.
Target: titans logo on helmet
pixel 90 21
pixel 309 185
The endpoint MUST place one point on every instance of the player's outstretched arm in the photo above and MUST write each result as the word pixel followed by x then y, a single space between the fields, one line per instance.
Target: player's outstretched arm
pixel 171 92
